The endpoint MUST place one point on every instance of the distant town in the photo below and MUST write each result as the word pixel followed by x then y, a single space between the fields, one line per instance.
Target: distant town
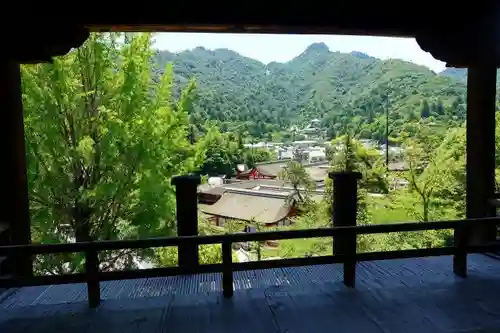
pixel 259 195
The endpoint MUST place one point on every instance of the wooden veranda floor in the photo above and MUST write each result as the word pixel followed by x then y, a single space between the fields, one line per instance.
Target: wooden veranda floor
pixel 407 295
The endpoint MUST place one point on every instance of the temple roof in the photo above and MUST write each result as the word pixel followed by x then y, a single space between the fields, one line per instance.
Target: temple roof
pixel 259 206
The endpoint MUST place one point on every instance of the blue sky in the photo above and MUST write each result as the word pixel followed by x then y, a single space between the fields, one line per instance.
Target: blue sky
pixel 281 48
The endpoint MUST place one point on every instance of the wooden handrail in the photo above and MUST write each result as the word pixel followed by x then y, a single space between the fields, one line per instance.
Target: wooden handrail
pixel 236 238
pixel 242 266
pixel 93 276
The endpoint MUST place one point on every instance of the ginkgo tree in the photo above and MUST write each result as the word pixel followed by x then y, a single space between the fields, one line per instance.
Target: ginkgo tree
pixel 430 165
pixel 104 138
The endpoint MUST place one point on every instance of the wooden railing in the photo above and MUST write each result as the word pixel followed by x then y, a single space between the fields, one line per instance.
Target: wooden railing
pixel 345 242
pixel 92 276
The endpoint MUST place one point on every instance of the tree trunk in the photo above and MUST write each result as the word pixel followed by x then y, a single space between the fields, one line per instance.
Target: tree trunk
pixel 81 218
pixel 297 191
pixel 426 210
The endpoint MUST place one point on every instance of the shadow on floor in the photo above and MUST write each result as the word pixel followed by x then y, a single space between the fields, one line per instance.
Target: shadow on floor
pixel 393 296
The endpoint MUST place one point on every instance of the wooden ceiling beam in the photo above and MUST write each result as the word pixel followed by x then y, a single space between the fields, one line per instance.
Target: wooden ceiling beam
pixel 256 29
pixel 455 35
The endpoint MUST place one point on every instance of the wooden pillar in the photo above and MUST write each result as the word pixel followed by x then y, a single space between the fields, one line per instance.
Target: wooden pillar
pixel 481 99
pixel 344 211
pixel 14 211
pixel 187 216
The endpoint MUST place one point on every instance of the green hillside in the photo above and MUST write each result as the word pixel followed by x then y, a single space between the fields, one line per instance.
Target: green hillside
pixel 331 86
pixel 460 74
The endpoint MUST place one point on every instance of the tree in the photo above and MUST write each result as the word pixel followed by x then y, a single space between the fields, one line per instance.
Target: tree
pixel 297 176
pixel 439 108
pixel 225 150
pixel 451 192
pixel 428 171
pixel 425 111
pixel 103 143
pixel 299 155
pixel 220 160
pixel 350 155
pixel 347 158
pixel 207 254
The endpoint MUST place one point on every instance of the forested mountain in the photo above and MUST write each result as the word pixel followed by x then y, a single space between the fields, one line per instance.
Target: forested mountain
pixel 460 74
pixel 332 86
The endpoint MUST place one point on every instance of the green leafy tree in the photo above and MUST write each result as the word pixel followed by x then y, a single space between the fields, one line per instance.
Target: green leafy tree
pixel 225 150
pixel 450 193
pixel 425 110
pixel 428 171
pixel 297 176
pixel 207 254
pixel 103 143
pixel 349 155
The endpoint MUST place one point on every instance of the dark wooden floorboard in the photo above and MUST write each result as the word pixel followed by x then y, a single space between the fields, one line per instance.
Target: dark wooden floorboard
pixel 410 295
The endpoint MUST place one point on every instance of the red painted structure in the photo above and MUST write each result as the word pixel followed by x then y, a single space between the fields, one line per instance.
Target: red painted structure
pixel 255 173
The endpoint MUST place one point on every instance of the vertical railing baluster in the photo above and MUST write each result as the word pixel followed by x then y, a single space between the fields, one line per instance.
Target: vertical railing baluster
pixel 93 285
pixel 344 211
pixel 227 271
pixel 460 239
pixel 350 259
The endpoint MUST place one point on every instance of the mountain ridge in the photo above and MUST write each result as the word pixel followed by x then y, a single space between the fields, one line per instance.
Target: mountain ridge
pixel 460 74
pixel 335 87
pixel 314 47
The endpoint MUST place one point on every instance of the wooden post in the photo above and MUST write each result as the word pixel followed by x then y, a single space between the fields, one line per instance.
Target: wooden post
pixel 91 268
pixel 187 216
pixel 344 211
pixel 14 211
pixel 227 271
pixel 93 285
pixel 481 99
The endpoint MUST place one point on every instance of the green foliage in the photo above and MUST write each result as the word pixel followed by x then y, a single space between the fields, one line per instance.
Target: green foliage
pixel 295 173
pixel 264 101
pixel 103 143
pixel 225 150
pixel 207 254
pixel 460 74
pixel 313 217
pixel 431 168
pixel 348 154
pixel 437 191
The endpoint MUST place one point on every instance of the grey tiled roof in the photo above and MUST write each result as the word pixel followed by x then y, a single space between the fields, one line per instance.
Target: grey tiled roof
pixel 262 207
pixel 317 174
pixel 317 170
pixel 271 169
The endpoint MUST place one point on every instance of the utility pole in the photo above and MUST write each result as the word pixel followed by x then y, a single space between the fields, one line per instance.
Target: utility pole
pixel 386 134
